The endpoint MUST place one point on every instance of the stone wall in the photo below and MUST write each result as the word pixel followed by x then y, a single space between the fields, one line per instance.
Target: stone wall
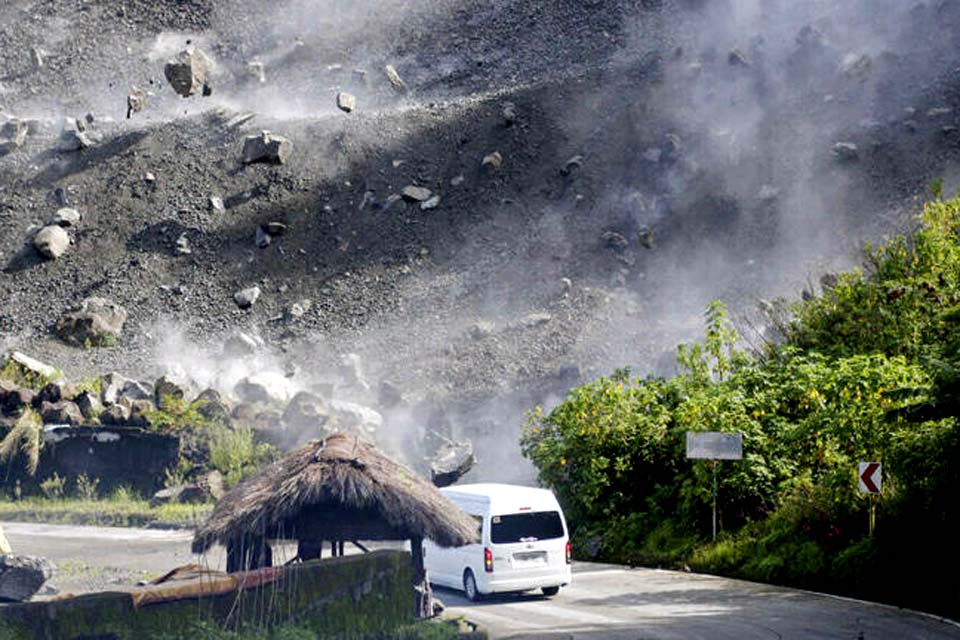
pixel 116 456
pixel 359 596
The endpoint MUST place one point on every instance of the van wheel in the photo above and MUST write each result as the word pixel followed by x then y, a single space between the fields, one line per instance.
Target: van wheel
pixel 470 586
pixel 550 591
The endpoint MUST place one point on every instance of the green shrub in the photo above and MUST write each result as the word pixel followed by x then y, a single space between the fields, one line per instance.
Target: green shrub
pixel 237 454
pixel 53 488
pixel 87 488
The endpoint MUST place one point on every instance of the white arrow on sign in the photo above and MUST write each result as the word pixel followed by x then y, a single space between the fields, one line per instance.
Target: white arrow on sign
pixel 870 477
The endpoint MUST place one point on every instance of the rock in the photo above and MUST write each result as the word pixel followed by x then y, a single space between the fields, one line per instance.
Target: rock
pixel 846 151
pixel 416 194
pixel 22 576
pixel 111 386
pixel 266 147
pixel 566 286
pixel 451 462
pixel 75 137
pixel 14 399
pixel 97 322
pixel 431 203
pixel 492 161
pixel 63 412
pixel 257 71
pixel 140 411
pixel 50 393
pixel 212 483
pixel 537 319
pixel 736 58
pixel 645 236
pixel 264 387
pixel 136 101
pixel 52 241
pixel 215 204
pixel 509 113
pixel 480 330
pixel 395 80
pixel 67 217
pixel 275 228
pixel 245 298
pixel 351 417
pixel 262 238
pixel 297 310
pixel 856 67
pixel 306 412
pixel 13 134
pixel 241 344
pixel 572 165
pixel 346 102
pixel 116 414
pixel 29 371
pixel 182 246
pixel 389 395
pixel 614 240
pixel 210 405
pixel 189 72
pixel 89 405
pixel 167 394
pixel 134 390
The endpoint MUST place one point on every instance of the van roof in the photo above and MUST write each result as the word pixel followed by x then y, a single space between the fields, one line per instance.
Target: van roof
pixel 504 495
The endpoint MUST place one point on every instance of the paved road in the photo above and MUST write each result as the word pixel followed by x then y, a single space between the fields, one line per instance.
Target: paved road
pixel 604 601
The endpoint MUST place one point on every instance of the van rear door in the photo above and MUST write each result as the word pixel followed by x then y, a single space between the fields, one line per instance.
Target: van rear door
pixel 529 541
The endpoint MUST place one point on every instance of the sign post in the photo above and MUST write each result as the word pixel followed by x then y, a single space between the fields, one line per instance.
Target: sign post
pixel 870 480
pixel 714 445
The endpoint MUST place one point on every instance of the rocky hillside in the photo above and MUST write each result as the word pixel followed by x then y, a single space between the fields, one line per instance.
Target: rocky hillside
pixel 534 194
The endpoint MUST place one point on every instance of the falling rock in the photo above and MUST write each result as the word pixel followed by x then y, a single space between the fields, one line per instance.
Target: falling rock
pixel 346 102
pixel 537 319
pixel 76 137
pixel 241 344
pixel 572 165
pixel 245 298
pixel 492 161
pixel 52 241
pixel 215 204
pixel 262 238
pixel 89 404
pixel 63 412
pixel 846 151
pixel 22 576
pixel 111 386
pixel 736 58
pixel 96 322
pixel 265 387
pixel 480 330
pixel 266 147
pixel 275 228
pixel 189 72
pixel 416 194
pixel 431 203
pixel 645 236
pixel 67 217
pixel 614 240
pixel 395 80
pixel 509 113
pixel 452 461
pixel 167 394
pixel 136 101
pixel 306 412
pixel 352 417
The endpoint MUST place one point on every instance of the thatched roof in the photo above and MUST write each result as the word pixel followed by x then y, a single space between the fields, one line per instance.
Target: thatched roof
pixel 338 488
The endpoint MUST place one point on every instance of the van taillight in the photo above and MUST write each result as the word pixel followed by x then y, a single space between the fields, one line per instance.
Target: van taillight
pixel 569 554
pixel 488 560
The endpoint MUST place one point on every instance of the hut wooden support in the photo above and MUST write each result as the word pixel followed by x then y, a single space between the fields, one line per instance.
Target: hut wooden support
pixel 423 598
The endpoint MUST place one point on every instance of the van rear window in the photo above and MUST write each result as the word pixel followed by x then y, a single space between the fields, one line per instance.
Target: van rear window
pixel 526 527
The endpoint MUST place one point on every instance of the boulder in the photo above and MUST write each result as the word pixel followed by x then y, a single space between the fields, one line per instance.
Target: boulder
pixel 306 412
pixel 492 161
pixel 189 72
pixel 22 576
pixel 75 136
pixel 63 412
pixel 134 390
pixel 49 393
pixel 97 322
pixel 416 194
pixel 395 80
pixel 297 310
pixel 115 414
pixel 245 298
pixel 266 147
pixel 136 101
pixel 140 411
pixel 111 386
pixel 89 405
pixel 28 371
pixel 167 393
pixel 264 387
pixel 52 241
pixel 351 417
pixel 452 461
pixel 197 493
pixel 846 151
pixel 346 102
pixel 210 405
pixel 67 217
pixel 14 399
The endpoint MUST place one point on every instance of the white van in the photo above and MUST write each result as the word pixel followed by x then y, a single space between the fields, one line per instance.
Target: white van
pixel 524 543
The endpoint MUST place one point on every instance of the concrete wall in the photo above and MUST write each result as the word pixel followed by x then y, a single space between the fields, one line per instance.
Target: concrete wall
pixel 358 596
pixel 117 456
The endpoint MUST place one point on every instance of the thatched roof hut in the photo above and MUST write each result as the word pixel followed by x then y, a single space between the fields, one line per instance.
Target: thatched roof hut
pixel 339 488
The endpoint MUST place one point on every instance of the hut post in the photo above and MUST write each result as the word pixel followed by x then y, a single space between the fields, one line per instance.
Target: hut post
pixel 423 599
